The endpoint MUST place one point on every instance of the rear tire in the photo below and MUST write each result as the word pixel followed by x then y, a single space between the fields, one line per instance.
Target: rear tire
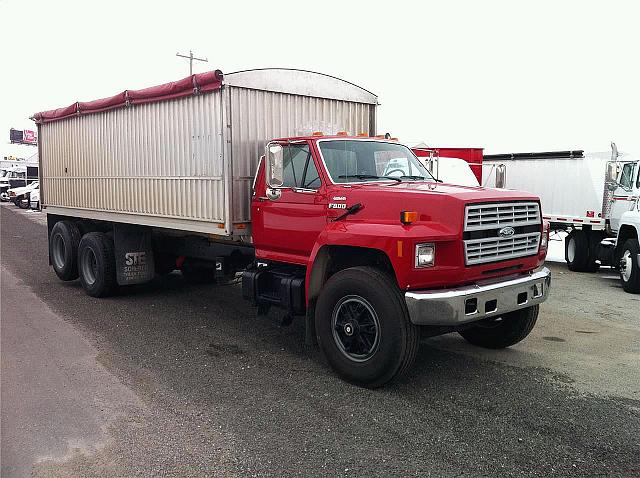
pixel 511 329
pixel 577 251
pixel 629 267
pixel 63 250
pixel 97 264
pixel 363 327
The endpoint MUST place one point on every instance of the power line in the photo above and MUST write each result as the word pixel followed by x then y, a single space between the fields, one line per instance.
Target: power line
pixel 191 58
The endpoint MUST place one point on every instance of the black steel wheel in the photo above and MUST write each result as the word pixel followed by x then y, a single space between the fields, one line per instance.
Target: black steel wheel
pixel 63 250
pixel 97 264
pixel 363 327
pixel 356 328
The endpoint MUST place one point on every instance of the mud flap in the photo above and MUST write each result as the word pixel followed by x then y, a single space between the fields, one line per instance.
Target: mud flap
pixel 134 254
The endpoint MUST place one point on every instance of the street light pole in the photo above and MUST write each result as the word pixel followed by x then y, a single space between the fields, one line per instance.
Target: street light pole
pixel 191 58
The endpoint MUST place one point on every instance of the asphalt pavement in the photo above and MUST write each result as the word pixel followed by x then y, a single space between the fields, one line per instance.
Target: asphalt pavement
pixel 168 379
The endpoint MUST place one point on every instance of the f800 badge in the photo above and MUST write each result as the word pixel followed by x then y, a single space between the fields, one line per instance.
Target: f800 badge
pixel 335 205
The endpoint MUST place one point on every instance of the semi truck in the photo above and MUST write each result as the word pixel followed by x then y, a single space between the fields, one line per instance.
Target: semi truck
pixel 278 176
pixel 593 196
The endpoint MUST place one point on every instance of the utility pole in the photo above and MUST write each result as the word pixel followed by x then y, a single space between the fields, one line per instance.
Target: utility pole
pixel 191 58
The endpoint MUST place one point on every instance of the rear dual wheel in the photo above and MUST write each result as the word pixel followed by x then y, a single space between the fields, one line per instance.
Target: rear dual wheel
pixel 63 250
pixel 581 250
pixel 97 264
pixel 363 327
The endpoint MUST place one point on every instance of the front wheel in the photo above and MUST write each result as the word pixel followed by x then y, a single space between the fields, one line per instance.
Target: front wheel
pixel 503 331
pixel 363 327
pixel 630 266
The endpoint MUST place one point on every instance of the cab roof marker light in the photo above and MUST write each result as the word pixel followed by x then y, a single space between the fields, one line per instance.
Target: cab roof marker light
pixel 317 133
pixel 342 133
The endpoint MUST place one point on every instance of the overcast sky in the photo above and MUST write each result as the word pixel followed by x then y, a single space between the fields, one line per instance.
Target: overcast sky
pixel 506 76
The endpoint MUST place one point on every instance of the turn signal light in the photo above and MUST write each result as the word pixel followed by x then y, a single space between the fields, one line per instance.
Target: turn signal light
pixel 407 217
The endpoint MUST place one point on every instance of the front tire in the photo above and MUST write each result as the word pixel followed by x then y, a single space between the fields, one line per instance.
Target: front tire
pixel 63 250
pixel 629 267
pixel 505 331
pixel 363 327
pixel 97 264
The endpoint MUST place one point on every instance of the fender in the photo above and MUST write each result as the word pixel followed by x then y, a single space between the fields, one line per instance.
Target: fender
pixel 396 241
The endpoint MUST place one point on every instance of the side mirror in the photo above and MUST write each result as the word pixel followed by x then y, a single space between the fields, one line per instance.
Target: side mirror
pixel 275 165
pixel 501 176
pixel 613 169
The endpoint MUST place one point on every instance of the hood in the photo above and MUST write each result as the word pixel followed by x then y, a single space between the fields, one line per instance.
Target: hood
pixel 437 204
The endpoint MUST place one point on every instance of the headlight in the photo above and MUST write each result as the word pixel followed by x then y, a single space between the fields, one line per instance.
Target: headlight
pixel 425 255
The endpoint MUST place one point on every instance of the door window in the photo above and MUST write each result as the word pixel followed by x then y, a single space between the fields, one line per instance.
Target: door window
pixel 626 178
pixel 299 169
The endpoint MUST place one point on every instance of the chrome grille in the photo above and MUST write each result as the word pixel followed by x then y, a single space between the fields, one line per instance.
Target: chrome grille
pixel 490 220
pixel 479 217
pixel 480 251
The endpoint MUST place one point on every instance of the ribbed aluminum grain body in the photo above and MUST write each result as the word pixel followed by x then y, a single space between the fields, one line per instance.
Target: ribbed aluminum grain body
pixel 188 163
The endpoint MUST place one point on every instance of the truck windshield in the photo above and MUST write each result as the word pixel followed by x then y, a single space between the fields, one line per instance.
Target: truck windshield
pixel 356 161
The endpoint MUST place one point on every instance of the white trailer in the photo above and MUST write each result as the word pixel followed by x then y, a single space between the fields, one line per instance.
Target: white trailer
pixel 593 196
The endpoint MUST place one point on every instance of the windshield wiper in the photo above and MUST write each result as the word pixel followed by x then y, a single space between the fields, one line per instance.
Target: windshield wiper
pixel 369 176
pixel 413 177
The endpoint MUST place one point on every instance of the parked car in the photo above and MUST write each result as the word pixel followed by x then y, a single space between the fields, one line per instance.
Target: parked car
pixel 21 196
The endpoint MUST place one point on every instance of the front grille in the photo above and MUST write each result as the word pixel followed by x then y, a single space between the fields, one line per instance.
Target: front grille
pixel 487 216
pixel 487 228
pixel 480 251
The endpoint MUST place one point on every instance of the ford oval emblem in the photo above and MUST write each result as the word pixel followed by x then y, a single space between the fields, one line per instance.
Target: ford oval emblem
pixel 506 231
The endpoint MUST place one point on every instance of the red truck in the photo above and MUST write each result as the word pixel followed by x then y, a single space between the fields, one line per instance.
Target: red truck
pixel 349 232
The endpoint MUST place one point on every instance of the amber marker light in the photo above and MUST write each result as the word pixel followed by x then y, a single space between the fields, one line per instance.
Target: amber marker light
pixel 407 217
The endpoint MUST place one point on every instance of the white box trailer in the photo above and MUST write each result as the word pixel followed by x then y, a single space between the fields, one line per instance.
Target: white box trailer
pixel 183 155
pixel 592 195
pixel 571 184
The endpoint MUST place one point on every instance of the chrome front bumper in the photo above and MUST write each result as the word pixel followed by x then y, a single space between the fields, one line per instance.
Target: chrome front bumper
pixel 478 301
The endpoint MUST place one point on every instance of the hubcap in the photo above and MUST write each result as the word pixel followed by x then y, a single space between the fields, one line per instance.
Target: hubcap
pixel 88 265
pixel 626 266
pixel 356 328
pixel 58 251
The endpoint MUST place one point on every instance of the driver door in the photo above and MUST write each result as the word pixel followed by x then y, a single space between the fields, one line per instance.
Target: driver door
pixel 287 221
pixel 625 194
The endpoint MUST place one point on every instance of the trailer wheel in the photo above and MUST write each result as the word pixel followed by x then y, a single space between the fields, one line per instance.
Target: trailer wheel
pixel 504 331
pixel 97 264
pixel 630 266
pixel 577 251
pixel 363 327
pixel 63 250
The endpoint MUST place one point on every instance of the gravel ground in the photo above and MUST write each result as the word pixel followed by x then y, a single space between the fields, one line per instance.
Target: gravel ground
pixel 225 393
